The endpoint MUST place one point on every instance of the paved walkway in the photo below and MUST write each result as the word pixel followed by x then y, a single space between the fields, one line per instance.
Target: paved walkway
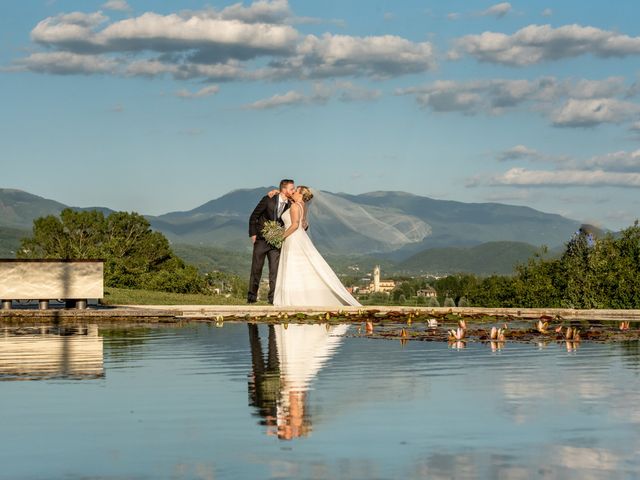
pixel 240 312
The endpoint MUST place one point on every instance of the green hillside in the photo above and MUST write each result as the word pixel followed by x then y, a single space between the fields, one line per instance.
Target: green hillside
pixel 485 259
pixel 18 208
pixel 208 259
pixel 10 241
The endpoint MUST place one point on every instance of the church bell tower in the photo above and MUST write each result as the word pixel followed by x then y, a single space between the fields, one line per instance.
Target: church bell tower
pixel 376 278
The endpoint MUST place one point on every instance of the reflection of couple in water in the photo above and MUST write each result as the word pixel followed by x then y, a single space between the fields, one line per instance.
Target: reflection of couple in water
pixel 279 384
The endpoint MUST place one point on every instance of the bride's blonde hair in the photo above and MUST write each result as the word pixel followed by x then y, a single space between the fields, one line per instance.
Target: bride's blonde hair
pixel 306 193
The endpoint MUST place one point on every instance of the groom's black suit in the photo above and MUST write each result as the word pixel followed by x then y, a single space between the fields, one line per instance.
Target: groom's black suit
pixel 267 209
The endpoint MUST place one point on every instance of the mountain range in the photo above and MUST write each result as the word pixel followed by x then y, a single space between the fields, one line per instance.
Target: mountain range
pixel 397 226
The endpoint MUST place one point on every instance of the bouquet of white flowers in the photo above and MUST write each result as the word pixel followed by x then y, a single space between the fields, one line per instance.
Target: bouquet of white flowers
pixel 273 233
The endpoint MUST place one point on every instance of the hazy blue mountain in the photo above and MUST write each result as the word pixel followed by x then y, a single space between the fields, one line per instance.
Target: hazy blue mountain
pixel 484 259
pixel 397 224
pixel 465 224
pixel 392 224
pixel 18 209
pixel 10 241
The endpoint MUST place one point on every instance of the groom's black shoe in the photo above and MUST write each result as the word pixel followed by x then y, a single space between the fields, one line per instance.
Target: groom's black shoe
pixel 251 299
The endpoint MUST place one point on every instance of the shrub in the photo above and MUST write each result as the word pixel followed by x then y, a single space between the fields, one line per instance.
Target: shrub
pixel 433 302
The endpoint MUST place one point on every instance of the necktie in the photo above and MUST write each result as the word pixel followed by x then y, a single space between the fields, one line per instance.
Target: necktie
pixel 280 207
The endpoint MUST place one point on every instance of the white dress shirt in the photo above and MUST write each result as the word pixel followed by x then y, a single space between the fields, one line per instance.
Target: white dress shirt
pixel 282 201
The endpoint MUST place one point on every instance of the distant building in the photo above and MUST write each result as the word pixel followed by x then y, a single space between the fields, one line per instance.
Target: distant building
pixel 428 292
pixel 377 285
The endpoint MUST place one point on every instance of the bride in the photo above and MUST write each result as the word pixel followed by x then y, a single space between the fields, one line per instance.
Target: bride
pixel 304 278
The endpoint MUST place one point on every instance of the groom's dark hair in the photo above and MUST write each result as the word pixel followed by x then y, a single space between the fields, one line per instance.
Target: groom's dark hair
pixel 285 182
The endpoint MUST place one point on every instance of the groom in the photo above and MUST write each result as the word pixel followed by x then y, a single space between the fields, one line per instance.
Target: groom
pixel 267 209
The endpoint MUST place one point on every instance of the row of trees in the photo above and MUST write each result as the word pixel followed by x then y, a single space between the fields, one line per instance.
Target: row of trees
pixel 135 256
pixel 591 273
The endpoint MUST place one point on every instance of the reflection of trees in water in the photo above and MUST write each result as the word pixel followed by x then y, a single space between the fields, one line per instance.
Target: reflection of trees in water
pixel 120 341
pixel 630 353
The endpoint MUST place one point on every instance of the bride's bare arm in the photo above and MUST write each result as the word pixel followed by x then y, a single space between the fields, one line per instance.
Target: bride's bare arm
pixel 295 220
pixel 273 193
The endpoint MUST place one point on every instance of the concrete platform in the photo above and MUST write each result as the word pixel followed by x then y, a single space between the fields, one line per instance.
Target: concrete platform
pixel 269 313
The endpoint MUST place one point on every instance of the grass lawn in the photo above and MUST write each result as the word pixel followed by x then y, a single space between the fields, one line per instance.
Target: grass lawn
pixel 125 296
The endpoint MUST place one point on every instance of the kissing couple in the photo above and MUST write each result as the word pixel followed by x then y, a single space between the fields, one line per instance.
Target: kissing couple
pixel 298 275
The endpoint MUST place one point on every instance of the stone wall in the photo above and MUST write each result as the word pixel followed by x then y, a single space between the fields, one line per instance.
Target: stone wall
pixel 51 279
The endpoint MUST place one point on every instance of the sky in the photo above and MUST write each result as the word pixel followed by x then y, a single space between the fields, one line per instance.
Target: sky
pixel 161 106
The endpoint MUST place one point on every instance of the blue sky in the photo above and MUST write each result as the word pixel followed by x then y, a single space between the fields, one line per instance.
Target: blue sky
pixel 159 106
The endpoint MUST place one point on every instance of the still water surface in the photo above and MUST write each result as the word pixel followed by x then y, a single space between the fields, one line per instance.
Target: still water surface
pixel 249 401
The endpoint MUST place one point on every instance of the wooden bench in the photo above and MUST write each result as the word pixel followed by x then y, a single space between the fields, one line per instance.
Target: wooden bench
pixel 73 281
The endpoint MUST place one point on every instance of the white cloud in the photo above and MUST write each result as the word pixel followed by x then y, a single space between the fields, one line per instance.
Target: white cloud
pixel 79 18
pixel 522 152
pixel 453 16
pixel 290 98
pixel 560 178
pixel 518 152
pixel 232 70
pixel 582 102
pixel 615 169
pixel 488 96
pixel 261 11
pixel 118 5
pixel 219 45
pixel 355 93
pixel 150 68
pixel 605 88
pixel 498 10
pixel 320 95
pixel 203 92
pixel 65 63
pixel 621 161
pixel 539 43
pixel 592 112
pixel 221 72
pixel 212 38
pixel 547 12
pixel 377 56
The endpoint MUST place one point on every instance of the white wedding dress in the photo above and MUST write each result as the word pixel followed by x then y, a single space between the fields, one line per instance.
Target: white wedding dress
pixel 304 278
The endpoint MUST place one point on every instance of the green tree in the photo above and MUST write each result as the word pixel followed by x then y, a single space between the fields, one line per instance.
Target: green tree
pixel 76 234
pixel 494 291
pixel 449 302
pixel 135 256
pixel 227 283
pixel 455 286
pixel 591 273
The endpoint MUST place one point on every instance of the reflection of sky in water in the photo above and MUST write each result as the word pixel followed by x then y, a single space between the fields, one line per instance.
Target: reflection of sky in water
pixel 174 403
